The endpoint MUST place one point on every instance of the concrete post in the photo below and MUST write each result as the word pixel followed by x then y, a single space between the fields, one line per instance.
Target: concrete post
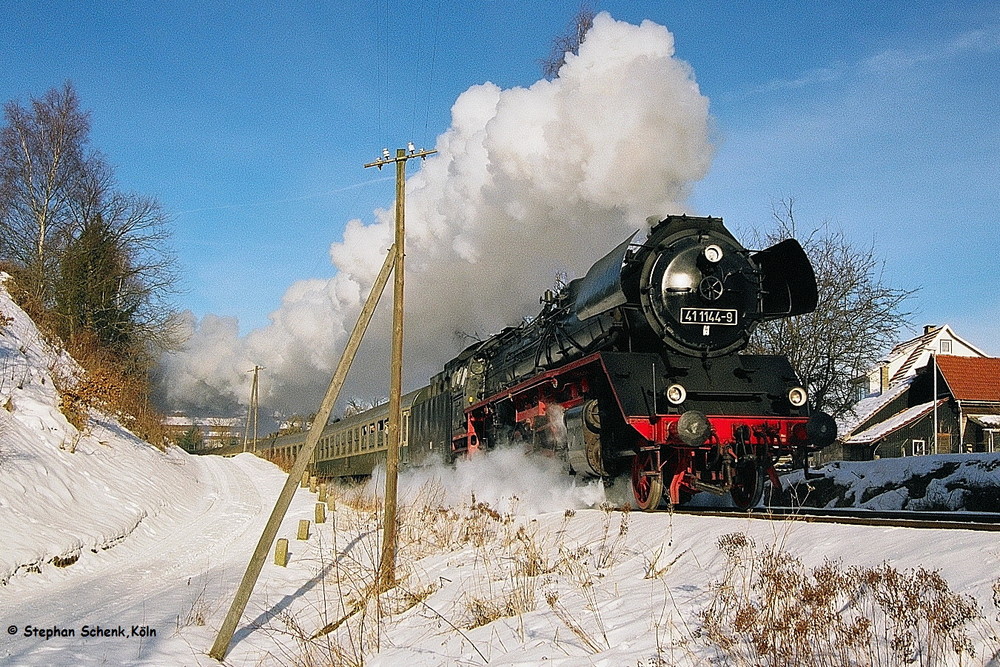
pixel 281 552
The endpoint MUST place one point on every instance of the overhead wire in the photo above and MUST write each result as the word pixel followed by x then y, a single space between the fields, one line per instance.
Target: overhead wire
pixel 414 80
pixel 429 86
pixel 419 86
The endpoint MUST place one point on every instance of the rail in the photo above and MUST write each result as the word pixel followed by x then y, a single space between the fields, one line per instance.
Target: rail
pixel 987 521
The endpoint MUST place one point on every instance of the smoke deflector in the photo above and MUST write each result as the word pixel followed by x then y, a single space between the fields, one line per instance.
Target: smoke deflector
pixel 788 284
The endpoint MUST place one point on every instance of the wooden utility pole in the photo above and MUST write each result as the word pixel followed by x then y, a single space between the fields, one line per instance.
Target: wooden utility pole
pixel 305 455
pixel 387 564
pixel 252 416
pixel 393 263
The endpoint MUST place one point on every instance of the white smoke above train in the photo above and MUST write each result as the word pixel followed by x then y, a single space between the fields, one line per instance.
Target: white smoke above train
pixel 526 183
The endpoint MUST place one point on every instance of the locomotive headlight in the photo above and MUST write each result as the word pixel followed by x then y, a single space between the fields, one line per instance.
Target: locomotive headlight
pixel 712 253
pixel 797 396
pixel 676 394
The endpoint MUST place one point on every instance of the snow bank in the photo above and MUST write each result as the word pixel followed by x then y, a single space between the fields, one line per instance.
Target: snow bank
pixel 65 491
pixel 945 482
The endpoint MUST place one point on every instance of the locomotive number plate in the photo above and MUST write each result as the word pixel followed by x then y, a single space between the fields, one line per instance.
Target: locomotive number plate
pixel 719 316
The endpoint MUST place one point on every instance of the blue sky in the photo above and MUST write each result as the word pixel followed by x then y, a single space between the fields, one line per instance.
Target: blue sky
pixel 250 122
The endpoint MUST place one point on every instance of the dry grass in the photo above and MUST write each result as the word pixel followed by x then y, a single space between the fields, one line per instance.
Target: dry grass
pixel 103 384
pixel 511 562
pixel 768 609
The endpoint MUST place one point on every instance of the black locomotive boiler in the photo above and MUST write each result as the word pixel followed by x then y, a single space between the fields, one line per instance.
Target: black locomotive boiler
pixel 634 369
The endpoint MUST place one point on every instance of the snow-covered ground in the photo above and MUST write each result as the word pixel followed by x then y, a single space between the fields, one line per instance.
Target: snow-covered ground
pixel 503 561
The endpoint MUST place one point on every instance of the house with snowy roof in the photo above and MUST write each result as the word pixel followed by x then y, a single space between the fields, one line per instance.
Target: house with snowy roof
pixel 902 362
pixel 935 394
pixel 212 431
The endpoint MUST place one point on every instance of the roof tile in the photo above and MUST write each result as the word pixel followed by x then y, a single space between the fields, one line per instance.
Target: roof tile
pixel 971 378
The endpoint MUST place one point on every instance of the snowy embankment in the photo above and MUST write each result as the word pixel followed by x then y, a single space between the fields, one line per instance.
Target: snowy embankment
pixel 114 552
pixel 102 531
pixel 944 482
pixel 65 492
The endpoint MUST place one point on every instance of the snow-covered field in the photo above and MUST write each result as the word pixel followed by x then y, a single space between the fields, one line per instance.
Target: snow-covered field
pixel 503 561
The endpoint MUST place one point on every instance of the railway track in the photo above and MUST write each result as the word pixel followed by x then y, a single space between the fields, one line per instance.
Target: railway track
pixel 983 521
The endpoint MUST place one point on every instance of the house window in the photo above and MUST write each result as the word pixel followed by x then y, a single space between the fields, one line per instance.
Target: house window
pixel 945 346
pixel 919 447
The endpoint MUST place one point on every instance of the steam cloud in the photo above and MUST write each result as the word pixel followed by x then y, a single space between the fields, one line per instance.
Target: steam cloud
pixel 527 182
pixel 506 479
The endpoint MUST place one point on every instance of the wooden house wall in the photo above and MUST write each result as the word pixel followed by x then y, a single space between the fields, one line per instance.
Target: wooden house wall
pixel 900 442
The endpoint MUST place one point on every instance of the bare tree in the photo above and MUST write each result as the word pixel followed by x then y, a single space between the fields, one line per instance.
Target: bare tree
pixel 568 42
pixel 42 156
pixel 91 263
pixel 856 320
pixel 93 258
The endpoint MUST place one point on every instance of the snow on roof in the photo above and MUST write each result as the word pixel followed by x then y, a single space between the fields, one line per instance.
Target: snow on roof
pixel 866 407
pixel 989 421
pixel 214 422
pixel 971 378
pixel 912 349
pixel 894 423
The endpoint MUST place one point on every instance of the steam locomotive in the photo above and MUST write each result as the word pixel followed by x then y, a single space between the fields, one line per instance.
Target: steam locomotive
pixel 633 369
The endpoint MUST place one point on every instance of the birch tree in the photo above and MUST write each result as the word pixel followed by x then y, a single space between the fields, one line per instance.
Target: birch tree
pixel 42 157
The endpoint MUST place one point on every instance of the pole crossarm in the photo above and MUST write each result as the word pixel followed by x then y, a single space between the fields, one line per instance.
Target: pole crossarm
pixel 401 156
pixel 305 455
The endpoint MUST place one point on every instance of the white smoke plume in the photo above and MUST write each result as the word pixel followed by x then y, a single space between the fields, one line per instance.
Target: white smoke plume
pixel 527 182
pixel 507 479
